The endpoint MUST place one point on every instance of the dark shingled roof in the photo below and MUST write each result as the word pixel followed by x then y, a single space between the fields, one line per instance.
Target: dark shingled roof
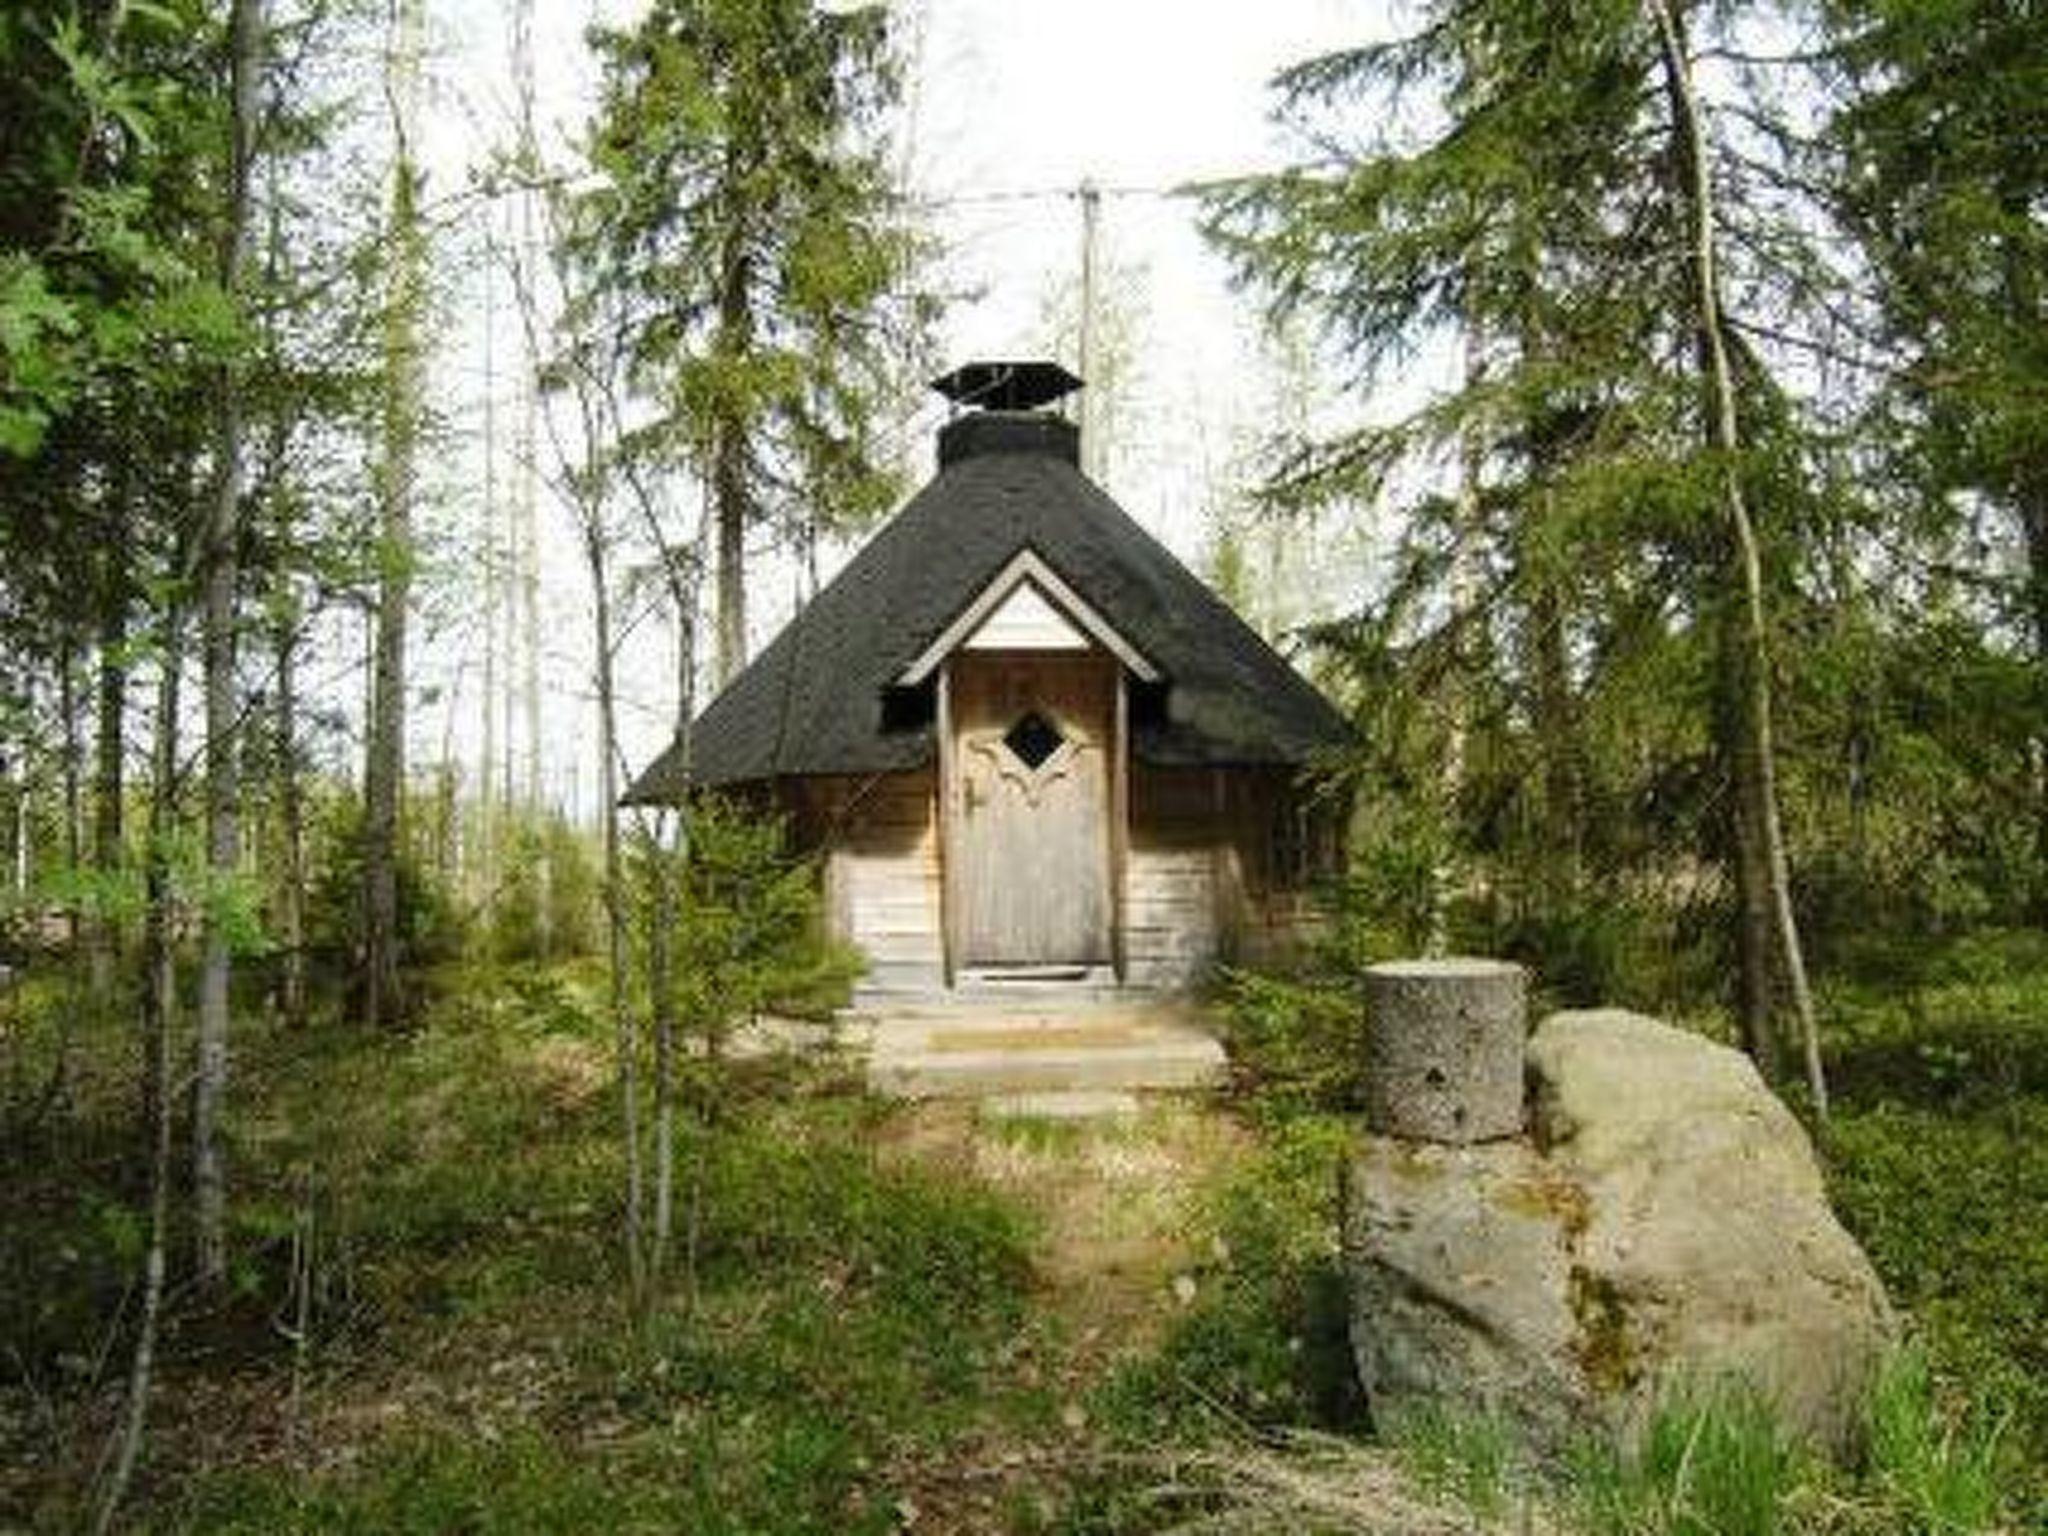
pixel 812 702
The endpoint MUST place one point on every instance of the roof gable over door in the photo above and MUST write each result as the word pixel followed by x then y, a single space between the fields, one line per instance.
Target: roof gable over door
pixel 1027 598
pixel 1025 621
pixel 828 694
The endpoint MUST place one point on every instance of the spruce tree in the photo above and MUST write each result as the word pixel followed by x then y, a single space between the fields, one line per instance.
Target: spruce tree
pixel 1940 167
pixel 1527 188
pixel 746 234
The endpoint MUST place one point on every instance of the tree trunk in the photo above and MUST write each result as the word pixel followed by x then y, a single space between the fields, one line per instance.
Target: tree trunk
pixel 384 776
pixel 1744 850
pixel 2021 279
pixel 661 985
pixel 1759 794
pixel 109 744
pixel 21 829
pixel 220 548
pixel 733 513
pixel 73 766
pixel 1557 731
pixel 1094 445
pixel 1464 583
pixel 10 789
pixel 616 947
pixel 291 803
pixel 159 993
pixel 2034 526
pixel 731 493
pixel 13 794
pixel 285 618
pixel 484 872
pixel 661 960
pixel 525 467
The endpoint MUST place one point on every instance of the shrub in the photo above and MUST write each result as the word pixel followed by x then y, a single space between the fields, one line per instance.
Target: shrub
pixel 429 930
pixel 1297 1042
pixel 546 904
pixel 745 920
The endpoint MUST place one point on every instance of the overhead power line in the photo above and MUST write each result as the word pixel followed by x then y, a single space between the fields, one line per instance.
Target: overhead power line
pixel 1081 189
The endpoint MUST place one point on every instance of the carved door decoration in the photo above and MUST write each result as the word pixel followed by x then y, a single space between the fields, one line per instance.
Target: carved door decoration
pixel 1032 737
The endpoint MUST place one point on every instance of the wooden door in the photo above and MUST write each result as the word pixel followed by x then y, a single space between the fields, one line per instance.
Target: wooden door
pixel 1032 741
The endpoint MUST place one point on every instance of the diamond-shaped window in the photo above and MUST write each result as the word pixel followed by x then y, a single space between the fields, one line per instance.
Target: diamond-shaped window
pixel 1033 739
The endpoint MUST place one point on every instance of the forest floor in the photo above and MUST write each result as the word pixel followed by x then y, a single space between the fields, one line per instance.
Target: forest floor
pixel 902 1317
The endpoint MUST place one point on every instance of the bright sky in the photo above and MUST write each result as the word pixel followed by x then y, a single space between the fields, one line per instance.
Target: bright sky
pixel 1013 105
pixel 1138 98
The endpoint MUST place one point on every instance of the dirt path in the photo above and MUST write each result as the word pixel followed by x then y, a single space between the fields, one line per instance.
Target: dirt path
pixel 1113 1201
pixel 1123 1246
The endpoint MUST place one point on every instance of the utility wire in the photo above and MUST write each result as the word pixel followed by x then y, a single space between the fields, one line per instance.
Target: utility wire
pixel 1066 193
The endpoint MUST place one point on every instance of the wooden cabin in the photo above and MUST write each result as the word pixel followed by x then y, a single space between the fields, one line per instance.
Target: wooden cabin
pixel 1025 739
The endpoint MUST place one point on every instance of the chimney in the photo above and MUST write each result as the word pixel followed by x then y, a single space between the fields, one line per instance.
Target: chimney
pixel 1000 407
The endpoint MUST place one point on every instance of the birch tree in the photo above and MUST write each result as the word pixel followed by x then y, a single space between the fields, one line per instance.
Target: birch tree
pixel 582 371
pixel 220 565
pixel 159 1006
pixel 1755 752
pixel 397 488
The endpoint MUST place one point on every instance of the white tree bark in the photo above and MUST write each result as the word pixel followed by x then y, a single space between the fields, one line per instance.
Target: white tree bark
pixel 223 789
pixel 159 998
pixel 582 483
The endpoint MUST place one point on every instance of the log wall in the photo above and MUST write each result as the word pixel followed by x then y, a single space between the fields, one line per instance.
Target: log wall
pixel 878 835
pixel 1205 876
pixel 1205 873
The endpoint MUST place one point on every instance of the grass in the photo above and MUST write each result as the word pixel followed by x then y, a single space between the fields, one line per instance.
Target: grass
pixel 900 1312
pixel 1260 1335
pixel 1712 1461
pixel 1476 1460
pixel 1940 1468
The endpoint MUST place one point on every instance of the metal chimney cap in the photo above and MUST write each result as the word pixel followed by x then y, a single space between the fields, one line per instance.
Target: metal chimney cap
pixel 1007 386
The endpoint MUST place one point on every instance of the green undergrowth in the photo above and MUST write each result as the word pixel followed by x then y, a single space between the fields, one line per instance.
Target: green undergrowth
pixel 1937 1156
pixel 70 1235
pixel 471 1361
pixel 868 1334
pixel 844 1315
pixel 1261 1337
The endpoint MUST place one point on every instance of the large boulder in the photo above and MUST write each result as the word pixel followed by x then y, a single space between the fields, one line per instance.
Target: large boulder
pixel 1665 1225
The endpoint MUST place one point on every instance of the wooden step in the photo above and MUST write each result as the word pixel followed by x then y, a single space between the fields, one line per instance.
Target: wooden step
pixel 989 1050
